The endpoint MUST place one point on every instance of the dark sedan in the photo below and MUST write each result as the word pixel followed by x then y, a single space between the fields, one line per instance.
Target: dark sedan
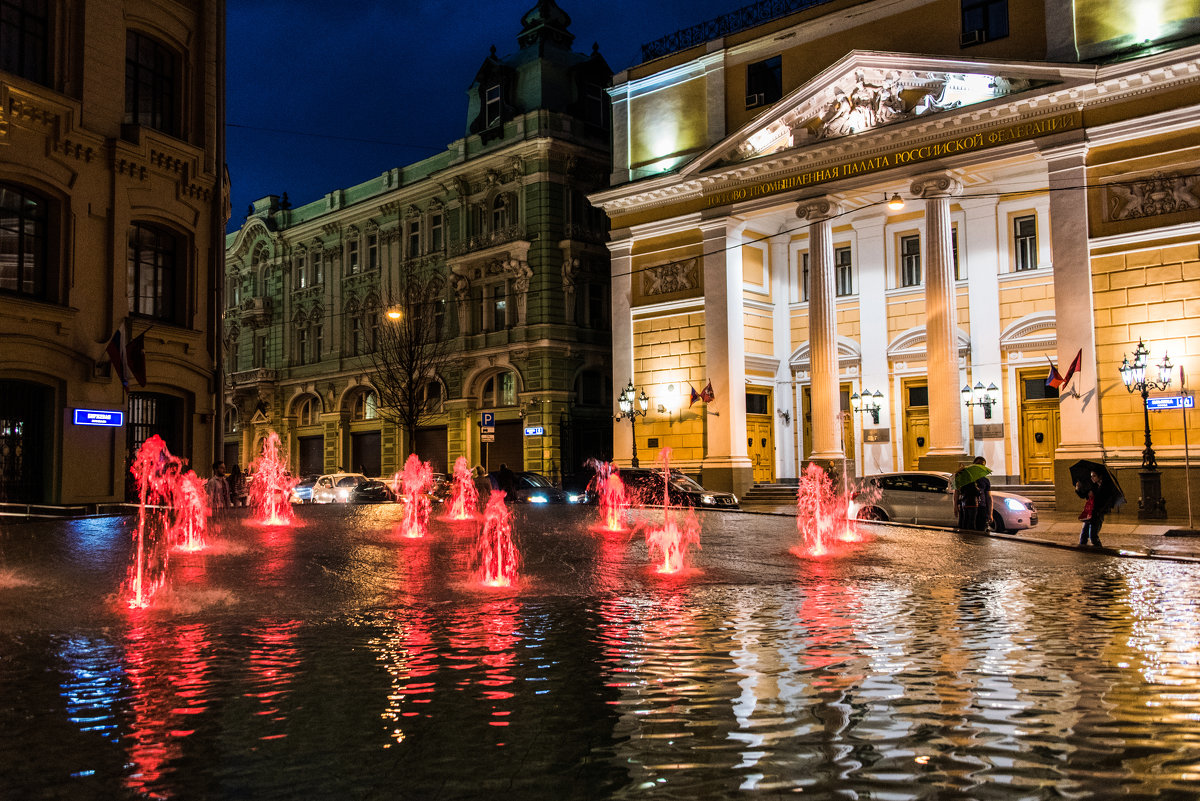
pixel 536 488
pixel 645 488
pixel 372 491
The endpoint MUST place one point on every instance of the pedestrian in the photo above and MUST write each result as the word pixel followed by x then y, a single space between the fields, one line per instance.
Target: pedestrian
pixel 218 488
pixel 1095 506
pixel 507 480
pixel 235 485
pixel 983 511
pixel 966 503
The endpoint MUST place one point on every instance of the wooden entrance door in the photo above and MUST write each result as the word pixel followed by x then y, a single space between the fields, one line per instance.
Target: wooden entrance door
pixel 848 440
pixel 916 424
pixel 1039 428
pixel 760 435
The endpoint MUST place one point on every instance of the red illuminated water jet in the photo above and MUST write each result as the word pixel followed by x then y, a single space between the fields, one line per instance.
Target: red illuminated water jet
pixel 464 496
pixel 611 497
pixel 172 511
pixel 821 514
pixel 416 480
pixel 678 532
pixel 496 555
pixel 271 486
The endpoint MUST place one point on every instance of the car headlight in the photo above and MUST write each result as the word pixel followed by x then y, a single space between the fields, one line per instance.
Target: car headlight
pixel 576 497
pixel 708 500
pixel 538 499
pixel 1013 505
pixel 343 494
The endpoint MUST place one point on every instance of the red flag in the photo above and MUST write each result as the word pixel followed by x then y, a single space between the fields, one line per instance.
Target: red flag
pixel 117 355
pixel 707 394
pixel 695 396
pixel 1054 379
pixel 1075 365
pixel 135 358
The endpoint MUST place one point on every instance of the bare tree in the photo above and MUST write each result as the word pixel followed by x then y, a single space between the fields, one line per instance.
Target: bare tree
pixel 412 346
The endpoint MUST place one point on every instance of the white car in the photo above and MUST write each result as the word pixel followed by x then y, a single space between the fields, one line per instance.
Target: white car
pixel 927 498
pixel 336 487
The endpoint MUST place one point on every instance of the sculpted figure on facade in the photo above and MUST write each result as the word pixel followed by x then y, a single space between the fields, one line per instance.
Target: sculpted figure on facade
pixel 665 279
pixel 570 269
pixel 462 297
pixel 1151 196
pixel 521 274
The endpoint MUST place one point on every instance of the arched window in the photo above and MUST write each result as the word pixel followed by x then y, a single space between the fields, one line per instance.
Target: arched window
pixel 232 420
pixel 154 273
pixel 24 242
pixel 308 412
pixel 366 406
pixel 433 397
pixel 499 390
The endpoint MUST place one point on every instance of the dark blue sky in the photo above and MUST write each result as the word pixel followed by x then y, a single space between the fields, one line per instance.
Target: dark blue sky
pixel 323 95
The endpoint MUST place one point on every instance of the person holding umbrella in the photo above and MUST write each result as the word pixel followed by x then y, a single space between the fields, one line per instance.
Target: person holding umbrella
pixel 1101 493
pixel 968 498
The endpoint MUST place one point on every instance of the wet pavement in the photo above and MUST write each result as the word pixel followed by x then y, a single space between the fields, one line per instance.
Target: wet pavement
pixel 336 660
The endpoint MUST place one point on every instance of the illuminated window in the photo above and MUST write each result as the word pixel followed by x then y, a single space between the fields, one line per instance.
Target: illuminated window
pixel 764 82
pixel 499 390
pixel 153 268
pixel 366 406
pixel 352 263
pixel 150 84
pixel 24 244
pixel 24 39
pixel 318 268
pixel 499 307
pixel 983 21
pixel 1025 242
pixel 301 268
pixel 910 261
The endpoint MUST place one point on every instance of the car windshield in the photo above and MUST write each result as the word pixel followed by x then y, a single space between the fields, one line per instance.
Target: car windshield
pixel 681 482
pixel 350 481
pixel 307 482
pixel 534 480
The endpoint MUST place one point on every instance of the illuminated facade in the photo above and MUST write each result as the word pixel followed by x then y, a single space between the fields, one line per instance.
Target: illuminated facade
pixel 111 216
pixel 1051 206
pixel 501 219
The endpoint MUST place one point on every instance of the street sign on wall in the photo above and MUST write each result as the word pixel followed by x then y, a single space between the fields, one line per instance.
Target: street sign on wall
pixel 99 417
pixel 534 431
pixel 1164 402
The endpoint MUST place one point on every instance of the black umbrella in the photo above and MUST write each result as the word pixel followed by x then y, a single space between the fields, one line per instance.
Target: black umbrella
pixel 1110 488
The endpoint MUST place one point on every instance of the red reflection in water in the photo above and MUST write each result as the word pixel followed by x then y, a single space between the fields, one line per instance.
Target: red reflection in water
pixel 464 496
pixel 495 553
pixel 272 663
pixel 822 515
pixel 409 656
pixel 417 479
pixel 677 534
pixel 611 496
pixel 825 614
pixel 167 672
pixel 271 486
pixel 172 510
pixel 490 639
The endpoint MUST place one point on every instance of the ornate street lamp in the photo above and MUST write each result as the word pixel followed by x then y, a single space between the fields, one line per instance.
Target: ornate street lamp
pixel 1152 505
pixel 980 396
pixel 632 407
pixel 868 403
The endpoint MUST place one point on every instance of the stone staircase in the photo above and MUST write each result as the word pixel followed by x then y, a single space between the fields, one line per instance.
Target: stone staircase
pixel 769 495
pixel 1042 495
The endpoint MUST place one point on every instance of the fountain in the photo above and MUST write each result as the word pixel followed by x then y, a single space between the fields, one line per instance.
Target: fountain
pixel 271 486
pixel 172 511
pixel 674 538
pixel 610 492
pixel 463 493
pixel 821 514
pixel 496 555
pixel 416 480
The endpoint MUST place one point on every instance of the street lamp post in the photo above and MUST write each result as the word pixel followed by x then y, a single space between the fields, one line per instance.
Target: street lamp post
pixel 632 407
pixel 1152 505
pixel 980 396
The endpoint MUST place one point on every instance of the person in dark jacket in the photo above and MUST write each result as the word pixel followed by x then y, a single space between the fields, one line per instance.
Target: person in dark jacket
pixel 983 511
pixel 1097 501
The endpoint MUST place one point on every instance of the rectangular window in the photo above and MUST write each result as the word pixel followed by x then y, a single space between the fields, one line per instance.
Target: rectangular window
pixel 439 318
pixel 597 318
pixel 414 239
pixel 435 233
pixel 918 396
pixel 318 269
pixel 356 335
pixel 260 350
pixel 764 82
pixel 24 39
pixel 595 106
pixel 151 272
pixel 843 272
pixel 372 252
pixel 508 390
pixel 983 21
pixel 756 403
pixel 804 277
pixel 24 244
pixel 910 261
pixel 1037 389
pixel 499 307
pixel 352 258
pixel 318 341
pixel 302 346
pixel 492 106
pixel 150 84
pixel 959 273
pixel 301 272
pixel 1025 242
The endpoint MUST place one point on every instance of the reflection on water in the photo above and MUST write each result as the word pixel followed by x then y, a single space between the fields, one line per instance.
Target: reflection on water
pixel 332 660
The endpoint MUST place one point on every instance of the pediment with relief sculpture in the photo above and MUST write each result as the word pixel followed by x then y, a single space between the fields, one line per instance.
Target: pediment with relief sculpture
pixel 867 91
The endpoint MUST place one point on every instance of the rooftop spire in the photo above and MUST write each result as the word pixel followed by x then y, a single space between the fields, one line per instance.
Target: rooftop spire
pixel 545 22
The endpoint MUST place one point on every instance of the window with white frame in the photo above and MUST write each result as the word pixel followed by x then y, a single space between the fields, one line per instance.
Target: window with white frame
pixel 910 260
pixel 1025 256
pixel 804 276
pixel 301 271
pixel 366 406
pixel 843 272
pixel 499 390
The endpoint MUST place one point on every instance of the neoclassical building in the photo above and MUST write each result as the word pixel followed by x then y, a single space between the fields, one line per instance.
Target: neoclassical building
pixel 111 217
pixel 910 205
pixel 501 220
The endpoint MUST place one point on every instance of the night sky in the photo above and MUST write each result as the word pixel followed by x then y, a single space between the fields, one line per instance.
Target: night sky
pixel 326 95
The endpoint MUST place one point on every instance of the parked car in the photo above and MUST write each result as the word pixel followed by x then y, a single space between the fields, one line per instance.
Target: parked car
pixel 645 488
pixel 302 492
pixel 536 488
pixel 372 490
pixel 927 498
pixel 336 487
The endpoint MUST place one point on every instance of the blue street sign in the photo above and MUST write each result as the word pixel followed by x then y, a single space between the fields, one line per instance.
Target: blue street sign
pixel 1171 402
pixel 99 417
pixel 487 419
pixel 534 431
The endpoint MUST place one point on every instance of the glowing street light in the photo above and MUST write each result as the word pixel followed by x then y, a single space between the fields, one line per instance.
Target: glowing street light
pixel 1152 505
pixel 632 407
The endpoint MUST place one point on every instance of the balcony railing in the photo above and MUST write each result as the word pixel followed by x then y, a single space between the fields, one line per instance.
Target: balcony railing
pixel 487 240
pixel 724 25
pixel 260 375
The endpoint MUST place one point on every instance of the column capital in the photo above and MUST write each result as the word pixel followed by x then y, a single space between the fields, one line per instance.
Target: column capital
pixel 818 209
pixel 722 226
pixel 937 185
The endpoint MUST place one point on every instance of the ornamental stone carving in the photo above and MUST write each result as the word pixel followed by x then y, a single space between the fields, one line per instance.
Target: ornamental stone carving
pixel 570 271
pixel 1152 196
pixel 675 276
pixel 928 186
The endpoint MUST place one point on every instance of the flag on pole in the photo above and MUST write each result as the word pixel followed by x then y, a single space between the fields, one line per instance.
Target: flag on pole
pixel 1076 363
pixel 707 393
pixel 117 356
pixel 695 395
pixel 135 356
pixel 1054 380
pixel 128 357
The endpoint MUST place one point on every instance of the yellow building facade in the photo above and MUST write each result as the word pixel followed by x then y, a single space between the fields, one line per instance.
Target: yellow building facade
pixel 111 218
pixel 910 206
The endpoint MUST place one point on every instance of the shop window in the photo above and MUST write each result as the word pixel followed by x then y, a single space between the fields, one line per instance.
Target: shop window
pixel 910 261
pixel 24 242
pixel 151 75
pixel 154 273
pixel 25 39
pixel 1025 243
pixel 983 21
pixel 843 272
pixel 764 82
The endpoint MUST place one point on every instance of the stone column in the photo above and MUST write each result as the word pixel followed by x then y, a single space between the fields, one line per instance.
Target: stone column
pixel 726 465
pixel 873 337
pixel 946 444
pixel 781 327
pixel 1074 313
pixel 978 246
pixel 622 341
pixel 822 334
